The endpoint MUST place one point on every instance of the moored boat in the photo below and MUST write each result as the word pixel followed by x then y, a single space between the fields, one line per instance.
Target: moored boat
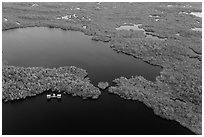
pixel 50 96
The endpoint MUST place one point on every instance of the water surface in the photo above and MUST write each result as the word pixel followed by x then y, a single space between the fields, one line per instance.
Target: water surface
pixel 54 48
pixel 109 114
pixel 135 27
pixel 130 27
pixel 197 14
pixel 197 29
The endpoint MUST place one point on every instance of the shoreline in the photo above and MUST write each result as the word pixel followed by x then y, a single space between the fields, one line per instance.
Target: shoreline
pixel 181 71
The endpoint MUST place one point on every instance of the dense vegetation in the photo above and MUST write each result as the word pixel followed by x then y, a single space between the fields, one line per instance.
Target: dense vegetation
pixel 177 92
pixel 103 85
pixel 20 82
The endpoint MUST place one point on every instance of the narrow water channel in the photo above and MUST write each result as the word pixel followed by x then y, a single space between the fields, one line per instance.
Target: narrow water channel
pixel 109 114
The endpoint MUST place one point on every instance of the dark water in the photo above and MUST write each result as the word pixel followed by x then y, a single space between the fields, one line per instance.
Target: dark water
pixel 54 47
pixel 109 114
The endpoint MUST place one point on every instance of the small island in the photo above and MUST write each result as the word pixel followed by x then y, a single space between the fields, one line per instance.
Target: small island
pixel 103 85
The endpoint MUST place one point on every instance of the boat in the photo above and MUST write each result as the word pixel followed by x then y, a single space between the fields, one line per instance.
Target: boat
pixel 53 95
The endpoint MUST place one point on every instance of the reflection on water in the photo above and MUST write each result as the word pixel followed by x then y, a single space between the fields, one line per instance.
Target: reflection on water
pixel 151 36
pixel 197 14
pixel 156 16
pixel 135 27
pixel 177 34
pixel 130 27
pixel 54 48
pixel 109 114
pixel 197 29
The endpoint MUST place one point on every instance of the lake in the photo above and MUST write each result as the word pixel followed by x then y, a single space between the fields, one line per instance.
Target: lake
pixel 54 47
pixel 109 114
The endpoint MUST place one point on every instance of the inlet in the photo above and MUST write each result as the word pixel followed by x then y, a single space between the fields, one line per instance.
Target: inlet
pixel 52 48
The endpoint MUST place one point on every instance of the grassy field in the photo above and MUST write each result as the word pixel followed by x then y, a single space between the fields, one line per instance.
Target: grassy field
pixel 177 92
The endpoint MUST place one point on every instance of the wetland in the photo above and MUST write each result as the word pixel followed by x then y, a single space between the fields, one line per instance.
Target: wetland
pixel 156 69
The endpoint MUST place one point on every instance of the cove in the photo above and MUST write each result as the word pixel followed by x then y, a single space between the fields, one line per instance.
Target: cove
pixel 109 114
pixel 54 48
